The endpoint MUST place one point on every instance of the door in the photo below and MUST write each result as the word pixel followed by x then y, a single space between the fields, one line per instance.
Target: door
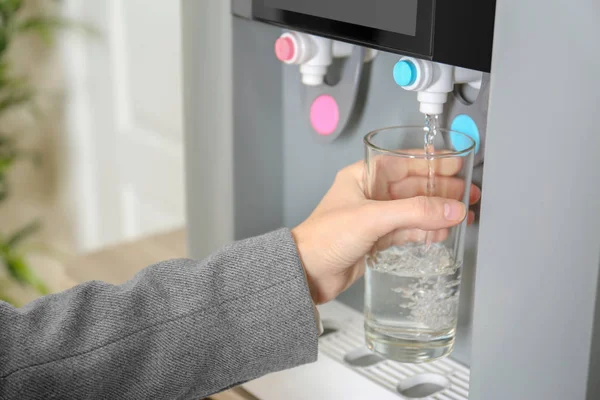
pixel 125 119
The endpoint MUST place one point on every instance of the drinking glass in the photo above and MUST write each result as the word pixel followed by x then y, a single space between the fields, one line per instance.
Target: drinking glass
pixel 412 277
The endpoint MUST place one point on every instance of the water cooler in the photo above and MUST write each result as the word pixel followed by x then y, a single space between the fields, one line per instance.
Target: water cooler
pixel 310 78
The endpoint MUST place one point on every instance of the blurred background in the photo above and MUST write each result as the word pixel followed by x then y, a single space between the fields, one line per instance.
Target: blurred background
pixel 91 147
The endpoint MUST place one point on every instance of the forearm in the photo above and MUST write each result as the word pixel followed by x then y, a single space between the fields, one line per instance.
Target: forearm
pixel 179 329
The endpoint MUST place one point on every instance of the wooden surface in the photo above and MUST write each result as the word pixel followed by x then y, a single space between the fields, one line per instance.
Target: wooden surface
pixel 117 264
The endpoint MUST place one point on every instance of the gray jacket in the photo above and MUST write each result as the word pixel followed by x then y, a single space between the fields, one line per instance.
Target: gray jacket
pixel 180 329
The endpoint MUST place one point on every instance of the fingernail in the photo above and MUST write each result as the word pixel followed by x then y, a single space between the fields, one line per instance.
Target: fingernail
pixel 453 212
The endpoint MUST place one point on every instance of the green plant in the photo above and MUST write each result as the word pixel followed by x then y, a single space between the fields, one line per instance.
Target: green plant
pixel 17 92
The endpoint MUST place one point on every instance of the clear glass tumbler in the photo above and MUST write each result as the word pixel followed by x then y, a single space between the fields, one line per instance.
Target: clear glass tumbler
pixel 412 277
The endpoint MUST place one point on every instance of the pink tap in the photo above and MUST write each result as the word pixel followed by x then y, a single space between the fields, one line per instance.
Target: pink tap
pixel 314 55
pixel 285 48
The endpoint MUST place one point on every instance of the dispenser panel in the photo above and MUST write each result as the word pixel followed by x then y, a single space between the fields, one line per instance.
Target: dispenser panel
pixel 398 16
pixel 457 32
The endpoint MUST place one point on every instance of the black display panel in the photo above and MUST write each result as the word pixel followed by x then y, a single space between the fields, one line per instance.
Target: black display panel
pixel 456 32
pixel 416 43
pixel 398 16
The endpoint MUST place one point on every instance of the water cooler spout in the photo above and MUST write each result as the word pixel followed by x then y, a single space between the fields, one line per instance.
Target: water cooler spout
pixel 433 81
pixel 313 53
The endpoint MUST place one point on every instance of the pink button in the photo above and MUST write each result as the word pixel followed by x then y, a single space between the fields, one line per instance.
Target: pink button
pixel 324 115
pixel 284 48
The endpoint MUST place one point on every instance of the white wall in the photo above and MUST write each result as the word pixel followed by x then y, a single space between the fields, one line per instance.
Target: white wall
pixel 125 120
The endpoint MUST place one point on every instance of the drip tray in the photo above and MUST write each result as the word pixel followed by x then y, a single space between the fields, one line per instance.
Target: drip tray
pixel 344 342
pixel 347 370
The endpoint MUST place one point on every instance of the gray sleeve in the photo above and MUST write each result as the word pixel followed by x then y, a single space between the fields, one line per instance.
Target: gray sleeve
pixel 180 329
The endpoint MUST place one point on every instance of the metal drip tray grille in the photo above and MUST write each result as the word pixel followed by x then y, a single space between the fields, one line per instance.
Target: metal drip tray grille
pixel 346 337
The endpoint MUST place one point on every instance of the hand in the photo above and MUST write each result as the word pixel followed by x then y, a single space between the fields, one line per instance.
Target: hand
pixel 345 226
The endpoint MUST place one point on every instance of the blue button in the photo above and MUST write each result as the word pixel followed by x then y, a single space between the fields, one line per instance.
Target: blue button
pixel 405 73
pixel 464 124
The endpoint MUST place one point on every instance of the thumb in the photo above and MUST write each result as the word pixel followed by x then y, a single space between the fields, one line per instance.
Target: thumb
pixel 425 213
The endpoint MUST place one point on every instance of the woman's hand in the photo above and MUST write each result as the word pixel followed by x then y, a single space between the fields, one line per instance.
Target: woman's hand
pixel 345 226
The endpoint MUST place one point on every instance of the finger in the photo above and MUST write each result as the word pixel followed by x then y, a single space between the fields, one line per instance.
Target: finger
pixel 474 195
pixel 471 217
pixel 448 187
pixel 374 177
pixel 402 236
pixel 384 169
pixel 356 170
pixel 347 190
pixel 419 165
pixel 426 213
